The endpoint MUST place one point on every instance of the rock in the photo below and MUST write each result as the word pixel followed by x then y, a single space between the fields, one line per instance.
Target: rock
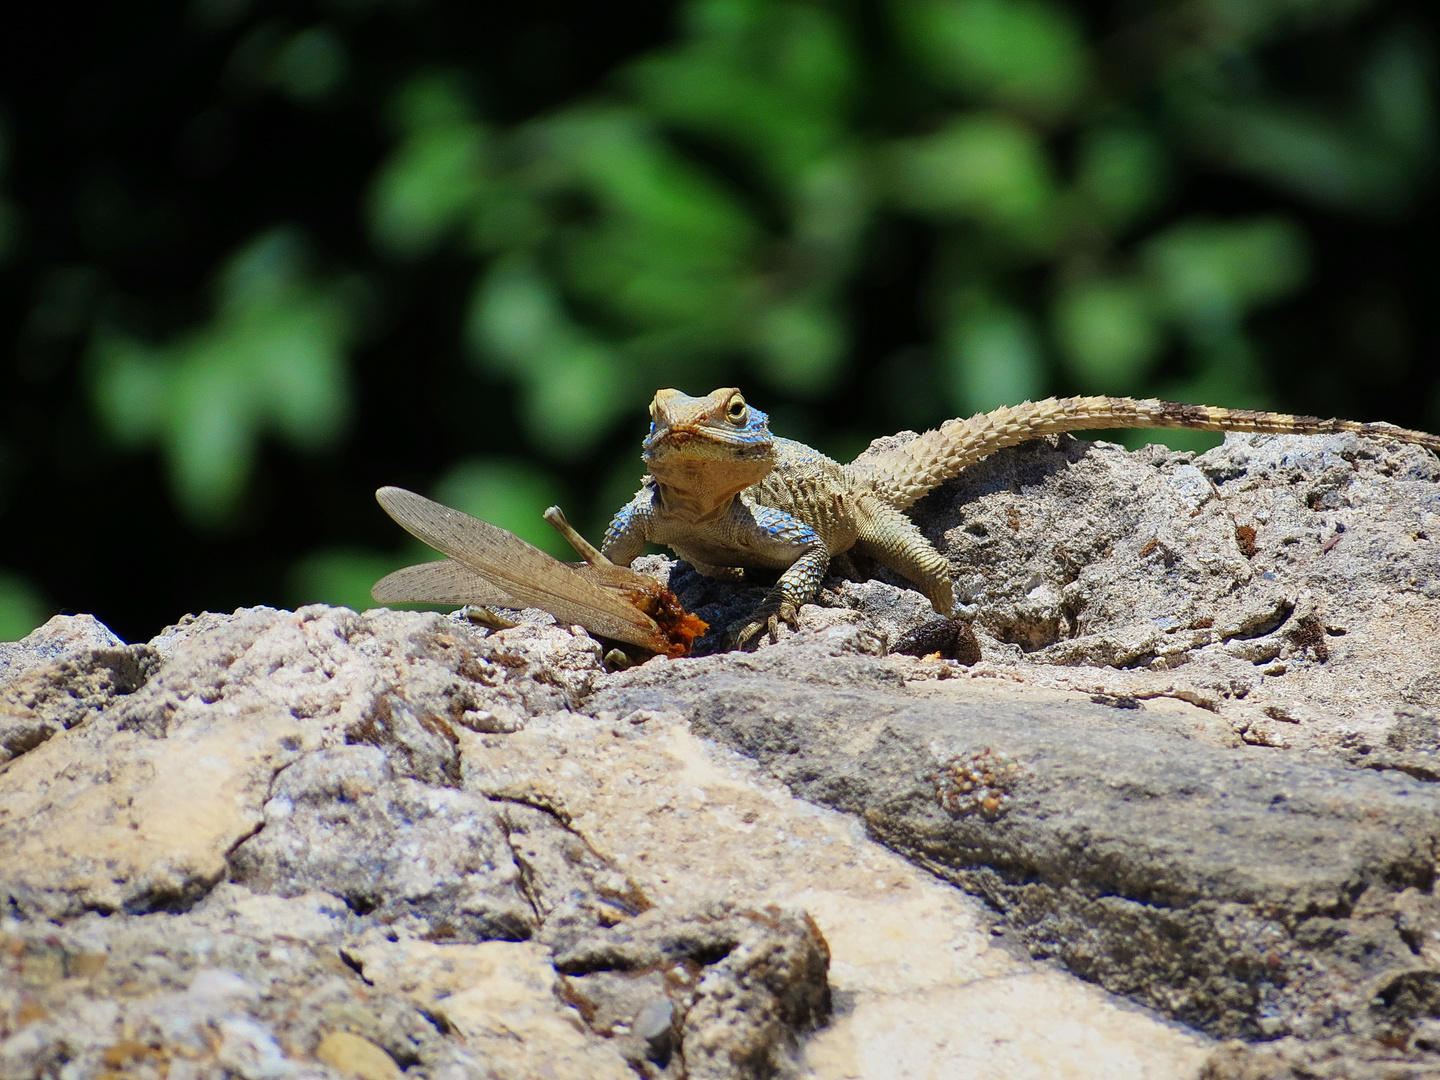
pixel 240 985
pixel 1194 877
pixel 500 1001
pixel 911 958
pixel 354 1056
pixel 1342 1057
pixel 63 673
pixel 62 637
pixel 1189 779
pixel 431 858
pixel 732 986
pixel 1143 584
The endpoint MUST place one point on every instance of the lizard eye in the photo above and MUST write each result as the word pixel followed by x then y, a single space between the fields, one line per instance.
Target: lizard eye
pixel 737 410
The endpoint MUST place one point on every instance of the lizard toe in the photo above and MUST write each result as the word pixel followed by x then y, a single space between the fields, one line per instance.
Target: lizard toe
pixel 747 634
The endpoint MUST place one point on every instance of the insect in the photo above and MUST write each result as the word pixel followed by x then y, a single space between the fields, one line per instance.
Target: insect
pixel 492 567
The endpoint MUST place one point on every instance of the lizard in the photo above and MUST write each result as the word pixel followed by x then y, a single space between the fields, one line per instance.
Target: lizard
pixel 725 494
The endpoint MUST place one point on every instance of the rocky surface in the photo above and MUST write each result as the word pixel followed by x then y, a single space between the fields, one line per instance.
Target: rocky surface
pixel 1184 790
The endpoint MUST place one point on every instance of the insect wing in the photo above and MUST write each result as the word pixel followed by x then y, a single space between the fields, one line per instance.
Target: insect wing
pixel 443 582
pixel 520 569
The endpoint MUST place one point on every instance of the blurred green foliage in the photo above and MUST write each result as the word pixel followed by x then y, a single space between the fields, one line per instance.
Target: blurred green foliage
pixel 1030 56
pixel 704 219
pixel 713 211
pixel 272 359
pixel 614 257
pixel 22 608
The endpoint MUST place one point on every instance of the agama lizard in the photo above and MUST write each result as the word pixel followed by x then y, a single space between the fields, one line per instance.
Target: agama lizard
pixel 725 494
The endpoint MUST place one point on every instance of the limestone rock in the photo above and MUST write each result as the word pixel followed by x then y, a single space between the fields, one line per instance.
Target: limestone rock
pixel 433 858
pixel 356 1056
pixel 1195 877
pixel 63 673
pixel 62 637
pixel 731 987
pixel 1187 792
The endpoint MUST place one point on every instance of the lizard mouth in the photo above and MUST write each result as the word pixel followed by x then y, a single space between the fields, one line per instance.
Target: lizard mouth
pixel 688 438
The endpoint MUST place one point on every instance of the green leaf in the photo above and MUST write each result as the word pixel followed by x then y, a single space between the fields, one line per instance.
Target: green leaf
pixel 1313 156
pixel 1209 274
pixel 774 83
pixel 666 245
pixel 515 316
pixel 311 65
pixel 1108 333
pixel 992 357
pixel 129 387
pixel 343 575
pixel 1122 171
pixel 572 384
pixel 624 478
pixel 272 359
pixel 571 398
pixel 638 178
pixel 983 166
pixel 831 206
pixel 210 432
pixel 802 347
pixel 1017 52
pixel 1398 94
pixel 297 368
pixel 1370 155
pixel 22 608
pixel 1229 375
pixel 438 177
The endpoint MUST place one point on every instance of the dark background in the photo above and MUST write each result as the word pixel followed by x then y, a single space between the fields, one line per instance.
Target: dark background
pixel 668 178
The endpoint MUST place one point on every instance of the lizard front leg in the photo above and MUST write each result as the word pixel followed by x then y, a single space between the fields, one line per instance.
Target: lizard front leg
pixel 630 529
pixel 784 538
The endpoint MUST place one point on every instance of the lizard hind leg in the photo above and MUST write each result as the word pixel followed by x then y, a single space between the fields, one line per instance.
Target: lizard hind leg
pixel 891 538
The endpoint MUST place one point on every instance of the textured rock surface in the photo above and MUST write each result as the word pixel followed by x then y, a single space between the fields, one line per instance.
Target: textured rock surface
pixel 265 860
pixel 1195 877
pixel 1288 585
pixel 1189 779
pixel 64 672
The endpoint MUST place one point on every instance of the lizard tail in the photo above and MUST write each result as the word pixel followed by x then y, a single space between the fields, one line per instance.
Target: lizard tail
pixel 904 474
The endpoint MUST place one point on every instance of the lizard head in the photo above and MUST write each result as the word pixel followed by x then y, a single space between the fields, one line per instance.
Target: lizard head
pixel 710 447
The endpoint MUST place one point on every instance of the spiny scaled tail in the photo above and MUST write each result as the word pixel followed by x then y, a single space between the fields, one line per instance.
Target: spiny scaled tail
pixel 906 473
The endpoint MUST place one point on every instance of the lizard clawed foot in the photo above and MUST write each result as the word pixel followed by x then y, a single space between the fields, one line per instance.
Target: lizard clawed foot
pixel 787 613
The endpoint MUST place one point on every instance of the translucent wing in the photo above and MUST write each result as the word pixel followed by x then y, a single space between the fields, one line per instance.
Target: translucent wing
pixel 520 570
pixel 443 582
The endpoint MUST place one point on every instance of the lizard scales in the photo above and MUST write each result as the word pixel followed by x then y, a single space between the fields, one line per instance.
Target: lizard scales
pixel 725 494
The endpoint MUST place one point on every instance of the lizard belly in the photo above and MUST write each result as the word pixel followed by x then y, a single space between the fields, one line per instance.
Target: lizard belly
pixel 748 534
pixel 696 550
